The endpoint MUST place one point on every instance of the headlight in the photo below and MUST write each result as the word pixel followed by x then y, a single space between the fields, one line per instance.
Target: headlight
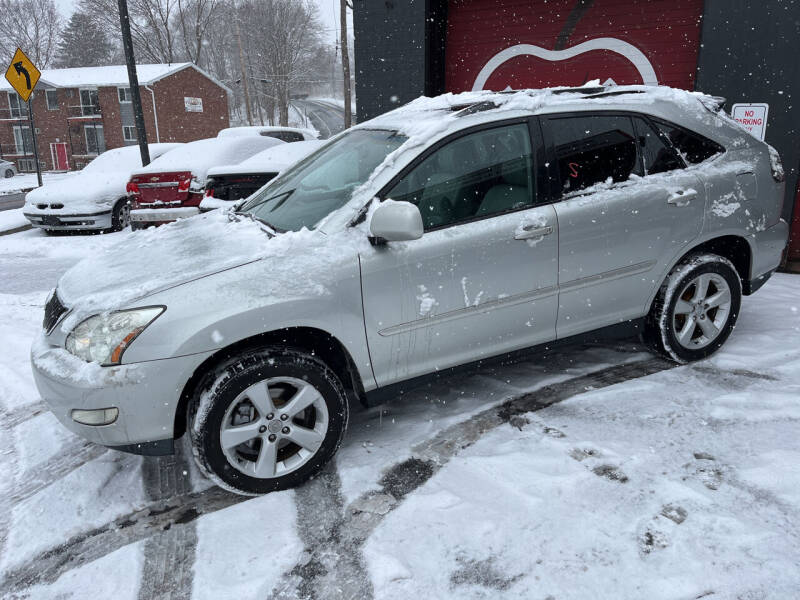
pixel 104 338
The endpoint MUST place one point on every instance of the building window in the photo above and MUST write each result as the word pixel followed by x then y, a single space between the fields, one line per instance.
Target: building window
pixel 124 95
pixel 95 139
pixel 90 103
pixel 26 165
pixel 17 106
pixel 23 141
pixel 128 133
pixel 52 99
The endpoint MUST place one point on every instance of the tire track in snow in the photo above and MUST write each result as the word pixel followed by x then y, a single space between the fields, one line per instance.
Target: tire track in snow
pixel 169 554
pixel 334 535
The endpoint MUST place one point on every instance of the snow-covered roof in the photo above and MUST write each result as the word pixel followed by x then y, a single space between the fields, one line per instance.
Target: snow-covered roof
pixel 114 75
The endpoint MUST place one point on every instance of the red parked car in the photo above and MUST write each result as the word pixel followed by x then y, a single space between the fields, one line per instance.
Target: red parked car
pixel 172 186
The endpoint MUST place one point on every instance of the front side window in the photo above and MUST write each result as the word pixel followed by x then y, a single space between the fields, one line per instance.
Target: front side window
pixel 694 148
pixel 52 99
pixel 593 149
pixel 658 156
pixel 90 103
pixel 305 194
pixel 478 175
pixel 95 140
pixel 16 106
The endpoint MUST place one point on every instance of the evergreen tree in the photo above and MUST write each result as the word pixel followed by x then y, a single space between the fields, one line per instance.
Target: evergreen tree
pixel 84 43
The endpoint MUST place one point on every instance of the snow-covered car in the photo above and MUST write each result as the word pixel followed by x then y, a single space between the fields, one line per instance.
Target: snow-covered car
pixel 446 232
pixel 231 183
pixel 93 198
pixel 285 134
pixel 172 186
pixel 8 169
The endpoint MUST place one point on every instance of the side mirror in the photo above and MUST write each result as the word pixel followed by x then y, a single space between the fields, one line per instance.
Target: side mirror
pixel 396 222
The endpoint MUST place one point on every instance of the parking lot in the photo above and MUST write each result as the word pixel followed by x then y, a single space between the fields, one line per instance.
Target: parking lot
pixel 588 471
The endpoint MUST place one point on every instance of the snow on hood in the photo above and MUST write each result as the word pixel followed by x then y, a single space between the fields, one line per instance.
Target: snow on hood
pixel 99 184
pixel 157 259
pixel 198 157
pixel 272 160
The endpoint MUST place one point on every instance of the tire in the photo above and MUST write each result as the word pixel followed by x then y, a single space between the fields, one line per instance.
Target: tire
pixel 233 421
pixel 696 308
pixel 9 173
pixel 120 215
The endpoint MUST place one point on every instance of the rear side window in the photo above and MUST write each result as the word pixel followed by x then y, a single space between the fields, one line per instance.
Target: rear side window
pixel 694 148
pixel 594 149
pixel 658 155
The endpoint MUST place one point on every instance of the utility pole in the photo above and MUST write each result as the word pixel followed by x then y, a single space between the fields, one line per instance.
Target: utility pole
pixel 244 73
pixel 348 117
pixel 133 81
pixel 35 147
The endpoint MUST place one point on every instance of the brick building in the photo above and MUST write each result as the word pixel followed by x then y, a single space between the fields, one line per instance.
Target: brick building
pixel 80 113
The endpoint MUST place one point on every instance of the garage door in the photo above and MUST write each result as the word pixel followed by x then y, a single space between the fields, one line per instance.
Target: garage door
pixel 497 44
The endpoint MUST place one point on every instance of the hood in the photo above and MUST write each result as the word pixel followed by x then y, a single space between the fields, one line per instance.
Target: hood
pixel 152 260
pixel 81 189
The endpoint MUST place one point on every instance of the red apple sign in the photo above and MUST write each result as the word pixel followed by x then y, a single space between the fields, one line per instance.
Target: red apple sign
pixel 529 66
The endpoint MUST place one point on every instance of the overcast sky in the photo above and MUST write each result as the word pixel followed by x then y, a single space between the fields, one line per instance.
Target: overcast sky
pixel 328 10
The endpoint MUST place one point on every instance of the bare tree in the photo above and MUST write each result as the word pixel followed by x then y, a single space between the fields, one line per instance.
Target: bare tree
pixel 32 25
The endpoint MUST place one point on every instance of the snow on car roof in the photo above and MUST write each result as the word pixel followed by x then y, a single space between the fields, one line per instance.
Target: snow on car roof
pixel 126 158
pixel 198 157
pixel 271 160
pixel 259 129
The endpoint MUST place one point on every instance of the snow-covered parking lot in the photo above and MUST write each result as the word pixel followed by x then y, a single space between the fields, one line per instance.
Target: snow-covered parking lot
pixel 588 472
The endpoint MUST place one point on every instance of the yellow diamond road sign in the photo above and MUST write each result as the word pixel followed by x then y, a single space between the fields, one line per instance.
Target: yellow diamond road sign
pixel 22 74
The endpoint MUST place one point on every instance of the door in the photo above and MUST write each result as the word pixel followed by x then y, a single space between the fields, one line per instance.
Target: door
pixel 627 209
pixel 58 152
pixel 482 279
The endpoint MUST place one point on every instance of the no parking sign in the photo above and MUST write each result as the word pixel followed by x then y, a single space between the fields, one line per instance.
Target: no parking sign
pixel 752 117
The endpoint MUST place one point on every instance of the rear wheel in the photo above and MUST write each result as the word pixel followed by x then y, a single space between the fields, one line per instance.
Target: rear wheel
pixel 696 308
pixel 267 421
pixel 121 215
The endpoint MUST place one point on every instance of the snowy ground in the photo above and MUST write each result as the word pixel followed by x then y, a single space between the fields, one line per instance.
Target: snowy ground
pixel 593 472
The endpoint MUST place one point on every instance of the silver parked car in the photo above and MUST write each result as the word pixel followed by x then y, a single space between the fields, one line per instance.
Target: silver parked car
pixel 448 231
pixel 7 168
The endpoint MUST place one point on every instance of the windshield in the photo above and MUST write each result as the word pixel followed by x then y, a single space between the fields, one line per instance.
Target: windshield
pixel 304 195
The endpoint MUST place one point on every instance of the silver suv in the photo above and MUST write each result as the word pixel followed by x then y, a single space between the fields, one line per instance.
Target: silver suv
pixel 448 231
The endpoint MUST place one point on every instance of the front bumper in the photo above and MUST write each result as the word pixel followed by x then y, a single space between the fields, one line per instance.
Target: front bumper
pixel 146 395
pixel 66 222
pixel 162 215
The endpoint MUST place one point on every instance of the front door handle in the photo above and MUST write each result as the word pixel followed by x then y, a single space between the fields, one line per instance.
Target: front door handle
pixel 682 197
pixel 532 232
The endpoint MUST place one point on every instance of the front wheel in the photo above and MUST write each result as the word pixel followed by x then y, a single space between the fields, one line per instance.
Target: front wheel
pixel 267 421
pixel 696 308
pixel 9 173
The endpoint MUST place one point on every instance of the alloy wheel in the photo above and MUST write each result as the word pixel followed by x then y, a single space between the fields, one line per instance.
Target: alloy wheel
pixel 274 427
pixel 701 311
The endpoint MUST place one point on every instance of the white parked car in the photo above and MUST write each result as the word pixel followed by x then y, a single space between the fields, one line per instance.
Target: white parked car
pixel 7 169
pixel 285 134
pixel 230 183
pixel 172 187
pixel 94 198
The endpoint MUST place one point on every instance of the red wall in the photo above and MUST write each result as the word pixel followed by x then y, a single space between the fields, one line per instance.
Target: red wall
pixel 667 32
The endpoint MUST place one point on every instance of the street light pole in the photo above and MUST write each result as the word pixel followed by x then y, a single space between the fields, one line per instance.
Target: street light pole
pixel 133 81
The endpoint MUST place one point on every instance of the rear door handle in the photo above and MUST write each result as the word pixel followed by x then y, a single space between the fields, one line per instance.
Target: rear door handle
pixel 682 197
pixel 530 232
